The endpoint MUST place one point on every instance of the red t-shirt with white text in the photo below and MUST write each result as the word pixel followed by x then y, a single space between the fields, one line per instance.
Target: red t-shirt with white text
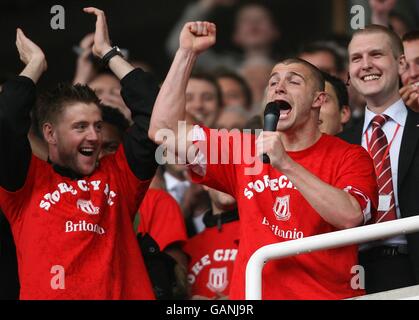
pixel 212 255
pixel 75 238
pixel 272 210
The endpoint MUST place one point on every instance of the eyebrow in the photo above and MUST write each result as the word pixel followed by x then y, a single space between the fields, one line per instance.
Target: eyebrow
pixel 86 122
pixel 372 51
pixel 288 74
pixel 79 122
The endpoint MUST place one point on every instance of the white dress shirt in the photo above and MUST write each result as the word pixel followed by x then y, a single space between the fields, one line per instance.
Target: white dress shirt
pixel 176 187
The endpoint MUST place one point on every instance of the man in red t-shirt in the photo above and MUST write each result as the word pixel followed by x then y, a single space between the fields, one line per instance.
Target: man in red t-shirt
pixel 72 216
pixel 314 183
pixel 212 252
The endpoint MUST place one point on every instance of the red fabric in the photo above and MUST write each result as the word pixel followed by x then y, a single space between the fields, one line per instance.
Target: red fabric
pixel 162 218
pixel 271 210
pixel 212 254
pixel 84 227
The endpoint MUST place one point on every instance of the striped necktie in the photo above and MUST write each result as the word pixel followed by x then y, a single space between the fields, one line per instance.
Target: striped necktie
pixel 378 150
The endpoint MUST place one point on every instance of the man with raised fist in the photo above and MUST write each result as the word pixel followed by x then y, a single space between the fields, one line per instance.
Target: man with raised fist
pixel 314 183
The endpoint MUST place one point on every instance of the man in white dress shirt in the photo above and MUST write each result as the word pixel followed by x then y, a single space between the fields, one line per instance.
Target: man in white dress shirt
pixel 390 133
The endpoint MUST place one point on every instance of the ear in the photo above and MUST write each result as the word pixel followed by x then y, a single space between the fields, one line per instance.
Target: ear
pixel 319 99
pixel 345 114
pixel 402 64
pixel 49 133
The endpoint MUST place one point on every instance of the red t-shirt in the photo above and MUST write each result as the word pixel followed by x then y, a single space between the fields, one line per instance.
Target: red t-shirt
pixel 272 210
pixel 75 239
pixel 212 254
pixel 162 218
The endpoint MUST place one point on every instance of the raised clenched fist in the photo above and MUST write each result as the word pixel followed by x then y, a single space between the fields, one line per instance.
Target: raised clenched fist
pixel 197 36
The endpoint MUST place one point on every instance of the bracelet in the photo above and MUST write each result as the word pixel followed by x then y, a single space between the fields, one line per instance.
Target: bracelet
pixel 115 51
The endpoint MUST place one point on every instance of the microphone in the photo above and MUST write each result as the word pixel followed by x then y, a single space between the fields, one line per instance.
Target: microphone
pixel 271 117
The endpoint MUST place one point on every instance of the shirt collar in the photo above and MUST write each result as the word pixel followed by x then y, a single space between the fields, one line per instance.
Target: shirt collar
pixel 65 172
pixel 397 112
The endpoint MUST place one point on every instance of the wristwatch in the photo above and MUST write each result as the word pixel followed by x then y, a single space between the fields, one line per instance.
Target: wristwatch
pixel 115 51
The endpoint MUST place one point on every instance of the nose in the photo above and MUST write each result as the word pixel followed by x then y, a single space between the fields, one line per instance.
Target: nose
pixel 366 62
pixel 280 87
pixel 93 134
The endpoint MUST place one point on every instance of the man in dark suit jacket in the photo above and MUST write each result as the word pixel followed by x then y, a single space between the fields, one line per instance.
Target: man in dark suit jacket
pixel 375 56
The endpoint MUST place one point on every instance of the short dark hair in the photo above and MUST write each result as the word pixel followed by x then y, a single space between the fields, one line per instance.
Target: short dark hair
pixel 318 46
pixel 340 89
pixel 395 41
pixel 225 73
pixel 411 36
pixel 52 103
pixel 315 72
pixel 205 76
pixel 114 117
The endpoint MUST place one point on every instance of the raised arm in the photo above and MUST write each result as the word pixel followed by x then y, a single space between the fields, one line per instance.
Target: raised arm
pixel 16 101
pixel 102 44
pixel 169 109
pixel 139 91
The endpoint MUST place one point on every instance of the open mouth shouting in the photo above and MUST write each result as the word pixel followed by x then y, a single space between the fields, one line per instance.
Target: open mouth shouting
pixel 87 151
pixel 284 109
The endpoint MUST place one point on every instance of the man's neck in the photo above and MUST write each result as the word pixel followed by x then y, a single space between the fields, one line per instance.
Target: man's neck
pixel 378 106
pixel 258 52
pixel 60 168
pixel 65 171
pixel 301 138
pixel 176 174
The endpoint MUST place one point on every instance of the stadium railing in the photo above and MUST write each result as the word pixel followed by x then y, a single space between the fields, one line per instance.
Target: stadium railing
pixel 320 242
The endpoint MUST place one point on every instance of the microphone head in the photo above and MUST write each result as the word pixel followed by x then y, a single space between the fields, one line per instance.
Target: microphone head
pixel 274 107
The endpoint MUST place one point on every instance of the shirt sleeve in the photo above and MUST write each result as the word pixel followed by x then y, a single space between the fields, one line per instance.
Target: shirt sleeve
pixel 357 177
pixel 13 202
pixel 216 161
pixel 16 101
pixel 162 218
pixel 139 91
pixel 131 188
